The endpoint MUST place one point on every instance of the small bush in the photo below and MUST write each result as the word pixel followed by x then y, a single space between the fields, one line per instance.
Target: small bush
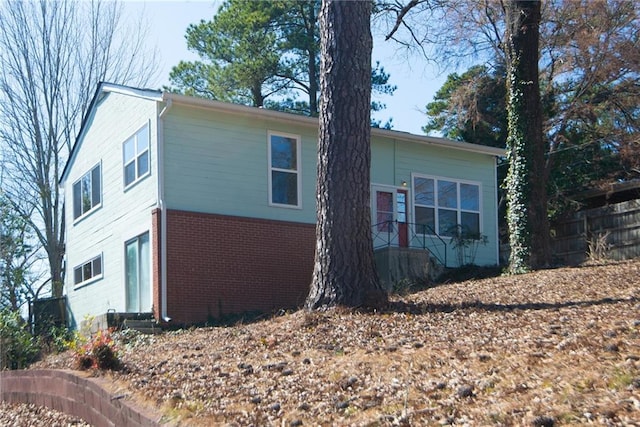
pixel 17 347
pixel 59 339
pixel 99 352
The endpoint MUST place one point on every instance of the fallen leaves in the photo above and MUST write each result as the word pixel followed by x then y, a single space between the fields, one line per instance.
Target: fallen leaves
pixel 547 348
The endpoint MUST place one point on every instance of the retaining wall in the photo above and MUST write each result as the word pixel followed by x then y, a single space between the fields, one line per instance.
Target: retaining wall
pixel 64 391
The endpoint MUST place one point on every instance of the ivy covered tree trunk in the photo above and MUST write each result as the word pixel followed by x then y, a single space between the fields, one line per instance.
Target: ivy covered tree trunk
pixel 526 179
pixel 344 271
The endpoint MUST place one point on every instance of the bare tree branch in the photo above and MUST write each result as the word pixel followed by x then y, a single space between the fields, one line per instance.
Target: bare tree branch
pixel 400 17
pixel 52 55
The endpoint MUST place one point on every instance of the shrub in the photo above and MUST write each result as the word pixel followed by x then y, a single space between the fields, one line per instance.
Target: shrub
pixel 59 338
pixel 99 352
pixel 17 347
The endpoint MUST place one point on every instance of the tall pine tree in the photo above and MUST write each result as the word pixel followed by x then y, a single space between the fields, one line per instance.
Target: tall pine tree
pixel 344 271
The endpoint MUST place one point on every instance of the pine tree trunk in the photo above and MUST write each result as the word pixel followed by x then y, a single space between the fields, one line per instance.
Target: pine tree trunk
pixel 312 66
pixel 526 183
pixel 344 271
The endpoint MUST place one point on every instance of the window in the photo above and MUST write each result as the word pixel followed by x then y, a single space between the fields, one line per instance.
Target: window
pixel 284 170
pixel 135 152
pixel 442 206
pixel 86 192
pixel 89 270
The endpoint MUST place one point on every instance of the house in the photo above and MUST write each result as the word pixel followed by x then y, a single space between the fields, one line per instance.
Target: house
pixel 193 209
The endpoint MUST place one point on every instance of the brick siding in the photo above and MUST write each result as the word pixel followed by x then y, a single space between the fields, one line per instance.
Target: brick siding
pixel 219 265
pixel 85 398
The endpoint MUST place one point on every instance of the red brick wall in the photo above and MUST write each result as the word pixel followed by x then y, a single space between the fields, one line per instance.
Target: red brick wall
pixel 219 265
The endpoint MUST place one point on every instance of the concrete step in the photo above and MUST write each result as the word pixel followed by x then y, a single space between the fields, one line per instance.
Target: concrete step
pixel 147 326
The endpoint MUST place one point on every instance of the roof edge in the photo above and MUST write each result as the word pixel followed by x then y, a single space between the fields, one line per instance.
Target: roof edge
pixel 163 96
pixel 151 94
pixel 313 121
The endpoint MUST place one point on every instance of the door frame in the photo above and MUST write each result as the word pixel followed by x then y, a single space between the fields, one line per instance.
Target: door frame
pixel 143 306
pixel 402 239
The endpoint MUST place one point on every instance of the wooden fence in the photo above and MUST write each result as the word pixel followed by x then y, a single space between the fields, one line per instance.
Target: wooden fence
pixel 45 313
pixel 607 232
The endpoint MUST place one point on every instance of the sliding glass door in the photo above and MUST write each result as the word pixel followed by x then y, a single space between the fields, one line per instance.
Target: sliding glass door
pixel 138 277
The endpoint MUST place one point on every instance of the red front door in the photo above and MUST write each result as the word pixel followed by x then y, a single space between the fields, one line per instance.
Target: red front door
pixel 401 215
pixel 390 216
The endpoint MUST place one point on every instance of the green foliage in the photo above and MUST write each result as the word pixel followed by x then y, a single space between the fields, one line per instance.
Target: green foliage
pixel 380 86
pixel 17 347
pixel 99 352
pixel 60 338
pixel 261 53
pixel 471 107
pixel 241 55
pixel 517 183
pixel 16 255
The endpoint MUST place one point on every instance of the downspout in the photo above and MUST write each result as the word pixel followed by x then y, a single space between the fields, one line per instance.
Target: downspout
pixel 163 214
pixel 497 205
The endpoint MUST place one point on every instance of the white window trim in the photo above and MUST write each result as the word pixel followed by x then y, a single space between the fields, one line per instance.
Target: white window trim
pixel 458 210
pixel 93 278
pixel 298 170
pixel 93 208
pixel 135 157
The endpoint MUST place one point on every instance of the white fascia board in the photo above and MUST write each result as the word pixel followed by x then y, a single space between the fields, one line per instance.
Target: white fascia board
pixel 442 142
pixel 150 94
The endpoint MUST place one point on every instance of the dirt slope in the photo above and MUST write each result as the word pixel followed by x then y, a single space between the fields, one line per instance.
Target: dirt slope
pixel 552 347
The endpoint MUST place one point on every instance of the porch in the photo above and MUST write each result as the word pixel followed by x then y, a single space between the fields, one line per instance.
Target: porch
pixel 407 252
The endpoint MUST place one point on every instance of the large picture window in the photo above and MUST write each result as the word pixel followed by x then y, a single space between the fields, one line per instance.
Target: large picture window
pixel 136 156
pixel 89 270
pixel 284 170
pixel 445 206
pixel 87 193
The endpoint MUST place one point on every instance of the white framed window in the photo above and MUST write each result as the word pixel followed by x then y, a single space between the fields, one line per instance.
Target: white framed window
pixel 446 206
pixel 284 170
pixel 87 192
pixel 88 271
pixel 135 156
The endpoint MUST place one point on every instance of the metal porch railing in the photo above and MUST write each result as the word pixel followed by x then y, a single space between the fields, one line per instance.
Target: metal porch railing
pixel 419 236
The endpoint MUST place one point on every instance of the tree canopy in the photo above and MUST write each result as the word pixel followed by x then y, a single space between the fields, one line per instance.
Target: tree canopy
pixel 589 72
pixel 471 107
pixel 264 54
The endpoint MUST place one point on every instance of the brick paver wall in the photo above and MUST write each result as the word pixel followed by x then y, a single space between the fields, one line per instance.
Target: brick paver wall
pixel 71 394
pixel 219 265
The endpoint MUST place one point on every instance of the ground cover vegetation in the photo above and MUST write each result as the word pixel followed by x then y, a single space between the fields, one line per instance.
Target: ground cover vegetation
pixel 551 347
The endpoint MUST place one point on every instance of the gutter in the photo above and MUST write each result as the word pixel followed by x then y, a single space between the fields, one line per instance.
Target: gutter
pixel 163 214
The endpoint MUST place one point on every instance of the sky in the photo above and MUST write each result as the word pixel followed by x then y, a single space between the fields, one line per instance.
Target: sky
pixel 168 20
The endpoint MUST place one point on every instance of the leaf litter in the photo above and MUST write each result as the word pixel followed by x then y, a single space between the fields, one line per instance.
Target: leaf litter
pixel 552 347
